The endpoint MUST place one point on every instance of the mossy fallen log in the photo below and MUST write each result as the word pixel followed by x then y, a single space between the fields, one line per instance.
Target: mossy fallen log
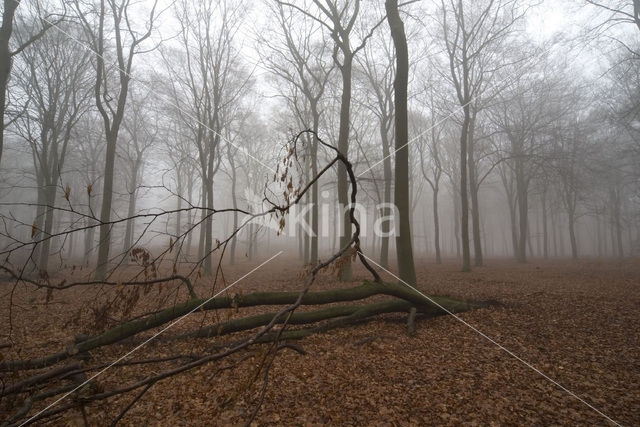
pixel 159 318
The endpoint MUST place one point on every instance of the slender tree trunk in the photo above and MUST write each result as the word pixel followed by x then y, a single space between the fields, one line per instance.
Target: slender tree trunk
pixel 72 238
pixel 307 219
pixel 538 236
pixel 572 235
pixel 315 217
pixel 104 242
pixel 523 209
pixel 234 202
pixel 343 146
pixel 545 232
pixel 388 178
pixel 529 239
pixel 190 215
pixel 203 213
pixel 208 233
pixel 464 200
pixel 456 222
pixel 9 11
pixel 473 189
pixel 39 220
pixel 50 200
pixel 617 223
pixel 436 225
pixel 404 250
pixel 554 230
pixel 130 227
pixel 90 233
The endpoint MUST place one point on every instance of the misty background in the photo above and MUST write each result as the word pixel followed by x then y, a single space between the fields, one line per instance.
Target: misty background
pixel 195 102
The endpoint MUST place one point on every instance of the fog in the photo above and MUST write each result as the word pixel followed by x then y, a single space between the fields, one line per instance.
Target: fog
pixel 170 131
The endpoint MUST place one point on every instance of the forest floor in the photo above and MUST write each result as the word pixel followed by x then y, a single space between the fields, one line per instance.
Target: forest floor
pixel 577 322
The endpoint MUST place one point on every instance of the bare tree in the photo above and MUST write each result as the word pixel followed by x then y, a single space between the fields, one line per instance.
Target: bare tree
pixel 524 113
pixel 473 35
pixel 339 19
pixel 404 250
pixel 432 168
pixel 111 97
pixel 378 65
pixel 7 53
pixel 206 79
pixel 56 82
pixel 141 126
pixel 300 60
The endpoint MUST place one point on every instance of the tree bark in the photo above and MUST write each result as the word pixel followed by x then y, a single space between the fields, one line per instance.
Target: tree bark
pixel 346 274
pixel 404 249
pixel 9 11
pixel 133 327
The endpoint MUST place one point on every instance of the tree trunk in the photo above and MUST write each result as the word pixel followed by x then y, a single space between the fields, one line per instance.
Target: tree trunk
pixel 131 210
pixel 456 222
pixel 523 210
pixel 104 242
pixel 50 200
pixel 617 223
pixel 386 155
pixel 436 225
pixel 159 318
pixel 315 218
pixel 190 215
pixel 473 189
pixel 404 249
pixel 178 231
pixel 464 200
pixel 9 11
pixel 203 213
pixel 346 274
pixel 545 231
pixel 208 228
pixel 572 235
pixel 234 202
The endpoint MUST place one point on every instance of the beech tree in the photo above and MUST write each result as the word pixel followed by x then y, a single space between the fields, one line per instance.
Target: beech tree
pixel 339 19
pixel 377 63
pixel 55 81
pixel 301 60
pixel 404 249
pixel 9 52
pixel 431 164
pixel 141 129
pixel 473 35
pixel 205 78
pixel 111 20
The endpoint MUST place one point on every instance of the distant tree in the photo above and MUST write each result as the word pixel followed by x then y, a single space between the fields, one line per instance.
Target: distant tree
pixel 141 129
pixel 111 96
pixel 431 164
pixel 524 113
pixel 56 82
pixel 474 35
pixel 7 53
pixel 378 64
pixel 340 20
pixel 205 78
pixel 300 59
pixel 618 12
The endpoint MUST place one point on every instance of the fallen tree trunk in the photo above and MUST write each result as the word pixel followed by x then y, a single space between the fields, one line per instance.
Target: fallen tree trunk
pixel 407 296
pixel 302 318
